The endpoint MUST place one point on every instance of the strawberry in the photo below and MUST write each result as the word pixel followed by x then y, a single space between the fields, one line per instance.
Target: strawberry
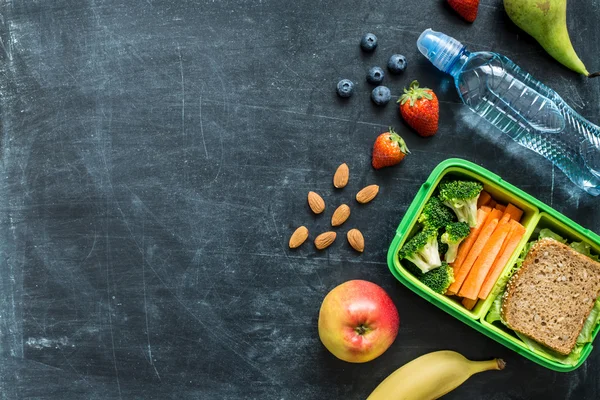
pixel 420 109
pixel 389 149
pixel 466 8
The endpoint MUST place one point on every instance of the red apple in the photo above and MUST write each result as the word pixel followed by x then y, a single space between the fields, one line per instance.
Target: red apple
pixel 358 321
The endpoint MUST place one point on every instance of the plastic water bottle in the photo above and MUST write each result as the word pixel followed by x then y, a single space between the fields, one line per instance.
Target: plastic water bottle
pixel 532 114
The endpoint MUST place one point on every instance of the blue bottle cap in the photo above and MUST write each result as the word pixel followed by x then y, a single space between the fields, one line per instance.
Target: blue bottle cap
pixel 440 49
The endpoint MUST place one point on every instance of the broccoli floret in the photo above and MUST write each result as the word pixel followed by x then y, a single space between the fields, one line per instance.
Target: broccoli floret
pixel 435 214
pixel 461 197
pixel 439 279
pixel 442 247
pixel 454 235
pixel 422 250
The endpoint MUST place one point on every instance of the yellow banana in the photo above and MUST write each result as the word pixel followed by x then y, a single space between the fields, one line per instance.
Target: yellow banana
pixel 431 376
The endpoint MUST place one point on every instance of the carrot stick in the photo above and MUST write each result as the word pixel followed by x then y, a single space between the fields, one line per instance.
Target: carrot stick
pixel 513 227
pixel 500 262
pixel 515 213
pixel 504 220
pixel 469 304
pixel 472 285
pixel 517 232
pixel 500 207
pixel 476 249
pixel 484 198
pixel 494 214
pixel 492 203
pixel 486 209
pixel 465 246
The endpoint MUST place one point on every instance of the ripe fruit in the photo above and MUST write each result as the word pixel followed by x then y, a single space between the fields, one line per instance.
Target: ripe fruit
pixel 345 88
pixel 431 376
pixel 547 23
pixel 397 63
pixel 375 75
pixel 465 8
pixel 368 42
pixel 389 149
pixel 358 321
pixel 420 109
pixel 381 95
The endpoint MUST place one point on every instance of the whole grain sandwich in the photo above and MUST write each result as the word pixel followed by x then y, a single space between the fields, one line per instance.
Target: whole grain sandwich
pixel 550 297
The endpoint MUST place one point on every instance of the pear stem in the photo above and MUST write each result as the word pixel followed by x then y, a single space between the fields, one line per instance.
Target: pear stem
pixel 594 75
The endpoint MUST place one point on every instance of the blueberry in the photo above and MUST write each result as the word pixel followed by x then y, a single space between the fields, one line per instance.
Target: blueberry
pixel 345 87
pixel 368 42
pixel 375 75
pixel 397 63
pixel 381 95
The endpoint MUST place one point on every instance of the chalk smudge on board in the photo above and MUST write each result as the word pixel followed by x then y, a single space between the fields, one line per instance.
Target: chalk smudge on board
pixel 46 343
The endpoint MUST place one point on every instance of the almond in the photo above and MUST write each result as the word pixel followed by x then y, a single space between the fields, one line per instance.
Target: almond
pixel 340 179
pixel 340 215
pixel 367 194
pixel 316 203
pixel 356 240
pixel 324 240
pixel 298 237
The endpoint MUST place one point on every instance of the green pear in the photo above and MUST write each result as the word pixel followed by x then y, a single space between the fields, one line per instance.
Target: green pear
pixel 546 21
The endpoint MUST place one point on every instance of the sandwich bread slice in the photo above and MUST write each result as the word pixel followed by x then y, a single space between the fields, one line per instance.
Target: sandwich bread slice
pixel 551 295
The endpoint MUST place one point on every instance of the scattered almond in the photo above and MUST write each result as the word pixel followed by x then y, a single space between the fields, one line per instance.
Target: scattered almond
pixel 316 203
pixel 356 240
pixel 324 240
pixel 367 194
pixel 340 215
pixel 298 237
pixel 340 179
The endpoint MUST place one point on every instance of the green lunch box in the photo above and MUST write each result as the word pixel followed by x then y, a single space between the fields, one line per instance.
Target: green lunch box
pixel 536 215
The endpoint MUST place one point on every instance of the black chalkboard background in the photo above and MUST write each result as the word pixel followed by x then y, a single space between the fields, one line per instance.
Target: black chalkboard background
pixel 156 156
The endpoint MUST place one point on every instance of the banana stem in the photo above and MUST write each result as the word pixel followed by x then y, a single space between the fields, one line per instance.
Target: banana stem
pixel 480 366
pixel 594 75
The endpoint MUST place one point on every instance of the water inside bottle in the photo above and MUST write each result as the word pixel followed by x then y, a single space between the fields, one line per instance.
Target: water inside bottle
pixel 533 115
